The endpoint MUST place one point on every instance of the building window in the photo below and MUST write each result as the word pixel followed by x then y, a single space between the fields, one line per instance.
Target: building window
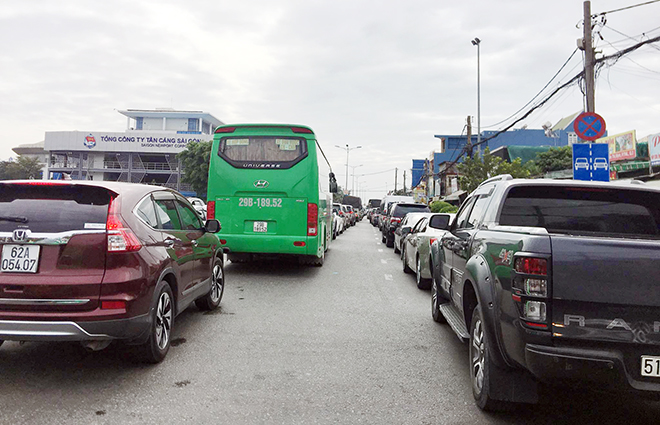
pixel 192 124
pixel 572 138
pixel 206 128
pixel 138 123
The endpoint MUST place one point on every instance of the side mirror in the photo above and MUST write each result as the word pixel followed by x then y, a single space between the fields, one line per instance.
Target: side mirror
pixel 333 183
pixel 212 226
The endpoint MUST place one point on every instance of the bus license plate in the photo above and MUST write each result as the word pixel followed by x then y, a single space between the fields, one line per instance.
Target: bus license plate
pixel 20 258
pixel 260 227
pixel 651 366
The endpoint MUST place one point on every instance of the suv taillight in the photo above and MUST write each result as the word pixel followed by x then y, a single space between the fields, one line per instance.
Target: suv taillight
pixel 312 219
pixel 530 285
pixel 210 210
pixel 120 237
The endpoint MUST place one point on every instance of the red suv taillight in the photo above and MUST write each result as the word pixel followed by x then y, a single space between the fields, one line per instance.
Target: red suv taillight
pixel 210 210
pixel 312 219
pixel 530 286
pixel 120 237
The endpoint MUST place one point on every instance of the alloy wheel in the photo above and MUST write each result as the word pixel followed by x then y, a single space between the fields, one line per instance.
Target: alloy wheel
pixel 163 320
pixel 478 359
pixel 217 284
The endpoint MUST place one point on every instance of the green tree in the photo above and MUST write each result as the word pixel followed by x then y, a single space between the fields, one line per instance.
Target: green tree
pixel 442 207
pixel 479 168
pixel 555 159
pixel 22 168
pixel 195 162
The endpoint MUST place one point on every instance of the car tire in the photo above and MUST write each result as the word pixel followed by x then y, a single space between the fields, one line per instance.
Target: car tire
pixel 389 242
pixel 481 366
pixel 406 269
pixel 422 283
pixel 382 239
pixel 157 345
pixel 436 300
pixel 396 249
pixel 212 300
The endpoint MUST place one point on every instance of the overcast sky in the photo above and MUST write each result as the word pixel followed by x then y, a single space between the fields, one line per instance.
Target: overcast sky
pixel 384 75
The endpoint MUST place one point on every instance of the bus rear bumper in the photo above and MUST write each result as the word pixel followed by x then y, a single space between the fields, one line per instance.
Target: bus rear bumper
pixel 263 244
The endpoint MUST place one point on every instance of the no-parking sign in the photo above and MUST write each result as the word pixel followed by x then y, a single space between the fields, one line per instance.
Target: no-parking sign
pixel 589 126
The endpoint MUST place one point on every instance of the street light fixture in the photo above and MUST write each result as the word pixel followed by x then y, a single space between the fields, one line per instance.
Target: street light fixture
pixel 353 185
pixel 348 149
pixel 477 42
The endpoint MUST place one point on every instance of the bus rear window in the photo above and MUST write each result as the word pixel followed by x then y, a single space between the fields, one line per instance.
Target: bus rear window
pixel 263 152
pixel 588 211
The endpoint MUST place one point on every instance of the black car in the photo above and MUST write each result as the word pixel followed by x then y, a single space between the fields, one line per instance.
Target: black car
pixel 394 217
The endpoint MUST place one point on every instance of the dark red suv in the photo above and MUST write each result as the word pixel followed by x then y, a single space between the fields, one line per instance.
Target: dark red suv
pixel 101 261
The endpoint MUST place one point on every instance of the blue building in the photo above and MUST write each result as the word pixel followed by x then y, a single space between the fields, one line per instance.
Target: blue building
pixel 561 134
pixel 440 162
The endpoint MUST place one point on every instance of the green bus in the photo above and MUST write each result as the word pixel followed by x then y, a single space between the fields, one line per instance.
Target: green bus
pixel 270 186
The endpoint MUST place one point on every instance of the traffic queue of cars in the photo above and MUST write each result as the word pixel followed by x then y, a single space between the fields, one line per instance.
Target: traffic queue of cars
pixel 343 217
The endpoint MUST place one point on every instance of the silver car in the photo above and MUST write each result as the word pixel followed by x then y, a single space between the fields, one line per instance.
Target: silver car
pixel 416 247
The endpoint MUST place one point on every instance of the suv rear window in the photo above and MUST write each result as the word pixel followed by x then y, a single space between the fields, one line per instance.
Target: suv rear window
pixel 401 210
pixel 52 208
pixel 263 152
pixel 589 211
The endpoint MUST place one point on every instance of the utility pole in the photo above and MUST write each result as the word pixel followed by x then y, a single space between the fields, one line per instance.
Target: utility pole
pixel 404 182
pixel 589 59
pixel 468 145
pixel 396 172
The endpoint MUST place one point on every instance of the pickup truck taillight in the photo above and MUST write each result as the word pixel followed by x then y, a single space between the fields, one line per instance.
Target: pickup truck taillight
pixel 530 289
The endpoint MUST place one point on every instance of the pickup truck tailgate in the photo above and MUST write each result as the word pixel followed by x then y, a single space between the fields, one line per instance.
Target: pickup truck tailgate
pixel 606 289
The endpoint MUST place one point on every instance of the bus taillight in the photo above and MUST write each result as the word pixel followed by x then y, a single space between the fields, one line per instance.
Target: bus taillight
pixel 301 130
pixel 225 130
pixel 210 210
pixel 312 219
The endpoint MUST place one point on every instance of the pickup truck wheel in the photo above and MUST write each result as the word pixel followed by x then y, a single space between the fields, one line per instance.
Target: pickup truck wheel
pixel 436 300
pixel 406 269
pixel 481 366
pixel 422 283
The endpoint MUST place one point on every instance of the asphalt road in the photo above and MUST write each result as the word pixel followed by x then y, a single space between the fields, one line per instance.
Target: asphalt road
pixel 350 342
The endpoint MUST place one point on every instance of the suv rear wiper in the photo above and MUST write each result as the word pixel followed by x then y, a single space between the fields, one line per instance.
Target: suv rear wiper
pixel 16 219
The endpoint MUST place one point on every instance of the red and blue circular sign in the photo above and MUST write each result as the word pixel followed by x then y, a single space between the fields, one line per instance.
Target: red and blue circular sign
pixel 589 126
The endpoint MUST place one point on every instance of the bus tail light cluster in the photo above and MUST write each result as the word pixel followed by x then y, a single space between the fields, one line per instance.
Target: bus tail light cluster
pixel 224 130
pixel 210 210
pixel 530 285
pixel 312 219
pixel 120 237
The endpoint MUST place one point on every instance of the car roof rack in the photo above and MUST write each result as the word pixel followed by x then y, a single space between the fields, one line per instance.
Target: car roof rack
pixel 500 177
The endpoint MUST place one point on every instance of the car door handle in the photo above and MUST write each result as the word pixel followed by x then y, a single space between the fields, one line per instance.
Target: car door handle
pixel 170 242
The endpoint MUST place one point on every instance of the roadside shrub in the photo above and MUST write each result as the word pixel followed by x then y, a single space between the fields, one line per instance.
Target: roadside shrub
pixel 442 207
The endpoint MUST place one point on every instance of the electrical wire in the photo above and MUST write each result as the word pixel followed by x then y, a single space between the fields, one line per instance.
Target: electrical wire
pixel 625 8
pixel 537 94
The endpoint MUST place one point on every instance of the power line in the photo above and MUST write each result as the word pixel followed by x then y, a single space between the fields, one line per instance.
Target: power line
pixel 625 8
pixel 537 94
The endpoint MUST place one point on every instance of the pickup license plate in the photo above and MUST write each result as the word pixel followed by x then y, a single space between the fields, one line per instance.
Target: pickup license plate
pixel 20 258
pixel 260 227
pixel 651 366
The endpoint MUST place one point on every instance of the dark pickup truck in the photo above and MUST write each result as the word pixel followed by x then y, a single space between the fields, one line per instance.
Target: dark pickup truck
pixel 553 281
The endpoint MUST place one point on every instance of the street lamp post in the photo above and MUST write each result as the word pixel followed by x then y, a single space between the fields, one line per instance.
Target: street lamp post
pixel 477 42
pixel 353 184
pixel 348 149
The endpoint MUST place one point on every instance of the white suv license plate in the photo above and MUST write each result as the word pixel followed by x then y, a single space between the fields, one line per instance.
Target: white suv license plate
pixel 260 227
pixel 20 258
pixel 651 366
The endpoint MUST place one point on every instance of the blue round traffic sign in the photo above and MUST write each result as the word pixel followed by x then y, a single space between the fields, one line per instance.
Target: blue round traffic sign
pixel 589 126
